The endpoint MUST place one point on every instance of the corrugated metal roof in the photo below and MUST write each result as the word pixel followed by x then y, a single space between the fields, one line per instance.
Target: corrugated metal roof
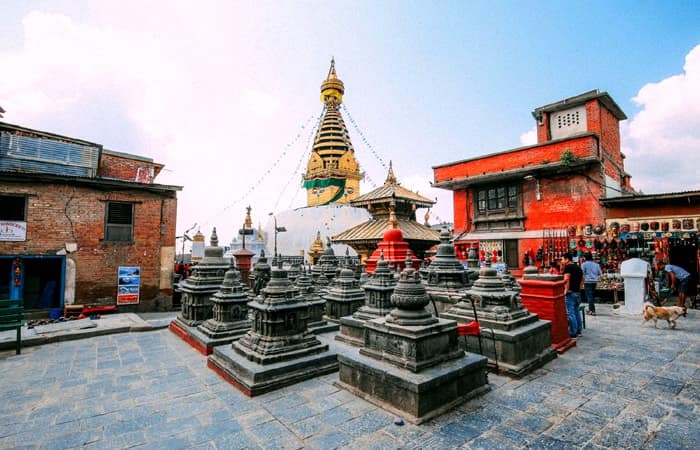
pixel 373 230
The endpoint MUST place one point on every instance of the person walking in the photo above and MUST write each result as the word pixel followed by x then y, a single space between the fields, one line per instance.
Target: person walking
pixel 573 275
pixel 591 275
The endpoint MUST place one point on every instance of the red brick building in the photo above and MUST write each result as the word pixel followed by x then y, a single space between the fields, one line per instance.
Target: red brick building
pixel 72 213
pixel 519 201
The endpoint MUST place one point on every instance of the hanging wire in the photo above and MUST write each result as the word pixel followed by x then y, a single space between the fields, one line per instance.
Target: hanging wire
pixel 303 157
pixel 362 136
pixel 265 174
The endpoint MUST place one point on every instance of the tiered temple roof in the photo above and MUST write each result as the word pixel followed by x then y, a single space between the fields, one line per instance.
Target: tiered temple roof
pixel 380 202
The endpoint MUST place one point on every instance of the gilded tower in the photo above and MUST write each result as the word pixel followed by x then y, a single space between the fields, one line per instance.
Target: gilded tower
pixel 332 173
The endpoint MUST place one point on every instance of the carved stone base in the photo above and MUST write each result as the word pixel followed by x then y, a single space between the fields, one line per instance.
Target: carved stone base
pixel 352 331
pixel 519 351
pixel 323 326
pixel 253 379
pixel 417 397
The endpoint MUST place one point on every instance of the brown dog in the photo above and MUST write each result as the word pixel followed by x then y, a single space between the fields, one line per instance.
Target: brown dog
pixel 667 313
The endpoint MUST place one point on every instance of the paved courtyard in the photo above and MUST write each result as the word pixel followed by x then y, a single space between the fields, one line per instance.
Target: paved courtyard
pixel 623 386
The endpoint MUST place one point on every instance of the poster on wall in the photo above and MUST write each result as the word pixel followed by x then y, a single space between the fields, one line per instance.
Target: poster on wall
pixel 13 231
pixel 128 283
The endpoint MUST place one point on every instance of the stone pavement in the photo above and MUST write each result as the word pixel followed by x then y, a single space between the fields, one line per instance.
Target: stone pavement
pixel 623 386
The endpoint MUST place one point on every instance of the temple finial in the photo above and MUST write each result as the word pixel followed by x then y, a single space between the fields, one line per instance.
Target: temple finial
pixel 390 178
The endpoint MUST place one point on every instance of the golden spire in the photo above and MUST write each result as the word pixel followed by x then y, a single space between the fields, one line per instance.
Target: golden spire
pixel 332 172
pixel 260 232
pixel 248 221
pixel 332 87
pixel 390 178
pixel 427 218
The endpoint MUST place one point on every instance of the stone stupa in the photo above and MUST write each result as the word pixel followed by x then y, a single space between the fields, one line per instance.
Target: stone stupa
pixel 410 363
pixel 279 349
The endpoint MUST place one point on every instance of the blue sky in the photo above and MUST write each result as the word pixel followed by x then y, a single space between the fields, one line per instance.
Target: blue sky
pixel 217 90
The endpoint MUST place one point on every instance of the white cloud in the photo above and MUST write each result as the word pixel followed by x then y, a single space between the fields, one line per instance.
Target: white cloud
pixel 662 141
pixel 529 137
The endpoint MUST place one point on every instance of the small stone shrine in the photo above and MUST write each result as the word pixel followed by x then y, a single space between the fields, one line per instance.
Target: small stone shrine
pixel 205 279
pixel 522 340
pixel 279 349
pixel 230 316
pixel 327 264
pixel 410 363
pixel 446 279
pixel 344 296
pixel 261 274
pixel 378 292
pixel 317 305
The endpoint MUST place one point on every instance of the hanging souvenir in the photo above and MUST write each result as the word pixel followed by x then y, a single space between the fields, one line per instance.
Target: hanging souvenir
pixel 654 225
pixel 664 226
pixel 687 224
pixel 579 231
pixel 635 227
pixel 599 229
pixel 645 226
pixel 571 231
pixel 676 224
pixel 572 243
pixel 625 228
pixel 588 230
pixel 589 243
pixel 697 224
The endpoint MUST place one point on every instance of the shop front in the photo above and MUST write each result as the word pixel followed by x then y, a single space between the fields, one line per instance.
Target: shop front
pixel 38 280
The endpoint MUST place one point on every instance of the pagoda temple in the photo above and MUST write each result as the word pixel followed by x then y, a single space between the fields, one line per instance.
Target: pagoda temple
pixel 380 203
pixel 332 173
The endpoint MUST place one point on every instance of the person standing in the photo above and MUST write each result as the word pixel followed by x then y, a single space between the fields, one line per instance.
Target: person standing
pixel 591 275
pixel 573 275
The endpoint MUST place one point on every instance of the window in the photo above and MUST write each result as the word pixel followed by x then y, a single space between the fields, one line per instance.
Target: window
pixel 119 223
pixel 498 199
pixel 13 207
pixel 498 208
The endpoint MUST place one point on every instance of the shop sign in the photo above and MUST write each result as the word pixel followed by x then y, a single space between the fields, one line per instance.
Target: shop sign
pixel 11 230
pixel 128 284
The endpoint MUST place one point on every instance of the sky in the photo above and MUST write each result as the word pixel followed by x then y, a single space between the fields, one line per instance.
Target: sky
pixel 226 93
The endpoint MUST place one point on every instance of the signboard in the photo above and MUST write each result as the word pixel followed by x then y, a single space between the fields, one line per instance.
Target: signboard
pixel 11 230
pixel 128 284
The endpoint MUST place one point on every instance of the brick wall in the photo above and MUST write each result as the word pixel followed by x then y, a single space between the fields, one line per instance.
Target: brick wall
pixel 124 168
pixel 583 146
pixel 60 213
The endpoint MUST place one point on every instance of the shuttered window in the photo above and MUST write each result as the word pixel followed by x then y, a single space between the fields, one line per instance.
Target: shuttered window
pixel 119 223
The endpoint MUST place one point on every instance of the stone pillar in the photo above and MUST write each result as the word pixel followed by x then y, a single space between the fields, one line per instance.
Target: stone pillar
pixel 544 295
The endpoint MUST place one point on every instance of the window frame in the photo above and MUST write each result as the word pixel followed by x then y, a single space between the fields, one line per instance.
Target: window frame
pixel 119 226
pixel 23 198
pixel 498 200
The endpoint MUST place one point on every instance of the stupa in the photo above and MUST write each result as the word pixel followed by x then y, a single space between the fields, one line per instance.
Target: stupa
pixel 410 363
pixel 332 180
pixel 279 349
pixel 344 296
pixel 205 279
pixel 445 278
pixel 317 305
pixel 522 341
pixel 261 274
pixel 229 316
pixel 327 264
pixel 393 247
pixel 378 292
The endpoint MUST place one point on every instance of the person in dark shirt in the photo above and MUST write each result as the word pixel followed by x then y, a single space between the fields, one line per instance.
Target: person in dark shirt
pixel 573 275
